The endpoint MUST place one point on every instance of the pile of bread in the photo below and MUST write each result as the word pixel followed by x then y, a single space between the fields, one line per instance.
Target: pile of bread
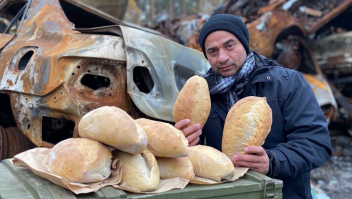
pixel 149 150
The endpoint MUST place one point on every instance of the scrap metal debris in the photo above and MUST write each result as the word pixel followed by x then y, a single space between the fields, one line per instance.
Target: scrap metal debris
pixel 311 15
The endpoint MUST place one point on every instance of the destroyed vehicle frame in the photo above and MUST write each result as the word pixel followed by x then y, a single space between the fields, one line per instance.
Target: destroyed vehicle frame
pixel 52 73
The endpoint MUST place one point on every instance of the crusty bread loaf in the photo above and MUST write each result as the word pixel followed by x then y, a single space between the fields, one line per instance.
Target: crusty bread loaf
pixel 80 160
pixel 140 171
pixel 210 163
pixel 164 140
pixel 114 127
pixel 193 102
pixel 175 167
pixel 247 124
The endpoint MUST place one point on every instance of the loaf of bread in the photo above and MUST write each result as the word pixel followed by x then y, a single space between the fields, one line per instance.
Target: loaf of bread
pixel 193 102
pixel 140 171
pixel 210 163
pixel 114 127
pixel 175 167
pixel 164 140
pixel 80 160
pixel 247 124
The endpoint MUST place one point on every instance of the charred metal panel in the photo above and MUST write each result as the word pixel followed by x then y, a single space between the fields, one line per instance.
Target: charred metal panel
pixel 42 80
pixel 5 39
pixel 159 56
pixel 72 99
pixel 51 71
pixel 265 30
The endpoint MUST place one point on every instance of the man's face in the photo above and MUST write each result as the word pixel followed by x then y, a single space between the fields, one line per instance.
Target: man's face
pixel 225 52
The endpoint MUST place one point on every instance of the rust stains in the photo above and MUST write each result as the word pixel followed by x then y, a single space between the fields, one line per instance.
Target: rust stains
pixel 5 39
pixel 9 82
pixel 44 66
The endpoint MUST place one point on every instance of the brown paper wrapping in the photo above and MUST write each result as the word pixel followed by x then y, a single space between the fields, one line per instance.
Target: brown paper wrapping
pixel 34 160
pixel 239 172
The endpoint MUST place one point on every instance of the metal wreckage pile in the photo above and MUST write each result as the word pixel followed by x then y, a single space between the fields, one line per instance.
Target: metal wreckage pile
pixel 312 37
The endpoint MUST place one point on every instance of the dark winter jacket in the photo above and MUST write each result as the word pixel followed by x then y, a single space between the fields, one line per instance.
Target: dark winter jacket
pixel 298 141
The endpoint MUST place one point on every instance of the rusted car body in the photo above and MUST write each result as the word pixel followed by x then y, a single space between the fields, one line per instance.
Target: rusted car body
pixel 278 35
pixel 51 74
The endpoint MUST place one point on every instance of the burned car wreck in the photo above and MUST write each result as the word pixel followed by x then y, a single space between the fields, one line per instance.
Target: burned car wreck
pixel 52 73
pixel 330 42
pixel 285 43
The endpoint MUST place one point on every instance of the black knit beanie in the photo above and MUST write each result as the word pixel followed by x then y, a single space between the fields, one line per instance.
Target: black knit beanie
pixel 226 22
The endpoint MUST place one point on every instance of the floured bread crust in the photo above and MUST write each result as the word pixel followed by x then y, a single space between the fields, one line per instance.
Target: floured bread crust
pixel 80 160
pixel 193 102
pixel 210 163
pixel 248 123
pixel 164 140
pixel 114 127
pixel 175 167
pixel 140 171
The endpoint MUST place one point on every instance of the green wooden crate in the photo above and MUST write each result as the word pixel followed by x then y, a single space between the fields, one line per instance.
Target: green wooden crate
pixel 18 182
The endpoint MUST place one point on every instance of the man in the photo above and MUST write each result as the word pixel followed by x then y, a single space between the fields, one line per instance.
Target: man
pixel 298 141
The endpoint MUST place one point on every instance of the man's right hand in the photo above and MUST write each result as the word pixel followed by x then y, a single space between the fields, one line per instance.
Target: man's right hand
pixel 192 133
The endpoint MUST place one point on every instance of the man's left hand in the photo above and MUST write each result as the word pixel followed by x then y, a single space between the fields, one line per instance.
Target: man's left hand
pixel 255 158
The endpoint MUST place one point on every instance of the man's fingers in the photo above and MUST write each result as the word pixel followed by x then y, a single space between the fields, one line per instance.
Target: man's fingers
pixel 181 124
pixel 246 158
pixel 191 129
pixel 255 149
pixel 251 165
pixel 194 143
pixel 192 132
pixel 194 136
pixel 255 158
